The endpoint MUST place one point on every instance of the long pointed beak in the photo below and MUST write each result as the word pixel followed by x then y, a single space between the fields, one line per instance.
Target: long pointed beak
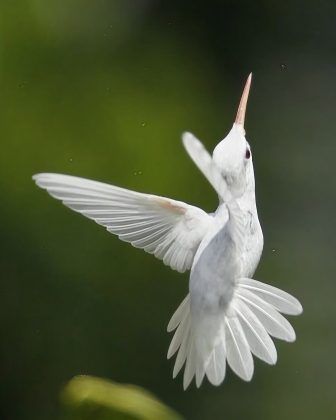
pixel 240 118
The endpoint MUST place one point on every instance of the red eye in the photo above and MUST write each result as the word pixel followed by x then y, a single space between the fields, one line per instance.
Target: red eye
pixel 247 154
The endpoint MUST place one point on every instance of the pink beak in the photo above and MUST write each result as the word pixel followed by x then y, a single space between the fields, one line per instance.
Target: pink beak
pixel 240 118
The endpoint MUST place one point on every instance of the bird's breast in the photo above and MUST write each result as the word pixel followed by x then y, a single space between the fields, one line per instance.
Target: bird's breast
pixel 214 272
pixel 221 260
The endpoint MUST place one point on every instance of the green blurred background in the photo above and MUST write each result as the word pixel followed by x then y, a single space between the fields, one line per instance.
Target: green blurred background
pixel 104 89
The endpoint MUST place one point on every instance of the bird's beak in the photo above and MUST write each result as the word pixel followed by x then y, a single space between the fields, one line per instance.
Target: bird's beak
pixel 240 118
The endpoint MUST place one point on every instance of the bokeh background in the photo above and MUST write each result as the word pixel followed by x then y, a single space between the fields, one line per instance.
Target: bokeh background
pixel 104 89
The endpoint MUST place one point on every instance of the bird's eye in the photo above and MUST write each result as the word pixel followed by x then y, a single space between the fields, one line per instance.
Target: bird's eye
pixel 247 154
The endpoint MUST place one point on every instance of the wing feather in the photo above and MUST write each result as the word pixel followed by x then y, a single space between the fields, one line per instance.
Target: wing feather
pixel 169 229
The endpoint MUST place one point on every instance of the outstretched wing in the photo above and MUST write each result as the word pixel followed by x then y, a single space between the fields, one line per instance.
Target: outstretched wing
pixel 169 229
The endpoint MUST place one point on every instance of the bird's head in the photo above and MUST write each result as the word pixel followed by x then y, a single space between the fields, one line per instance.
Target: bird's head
pixel 233 154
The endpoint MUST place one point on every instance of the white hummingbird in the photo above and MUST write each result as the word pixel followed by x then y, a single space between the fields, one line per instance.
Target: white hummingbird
pixel 227 316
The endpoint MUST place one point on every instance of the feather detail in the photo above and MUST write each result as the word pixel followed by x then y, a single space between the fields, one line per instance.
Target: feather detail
pixel 282 301
pixel 216 367
pixel 257 337
pixel 244 327
pixel 169 229
pixel 274 323
pixel 238 351
pixel 179 315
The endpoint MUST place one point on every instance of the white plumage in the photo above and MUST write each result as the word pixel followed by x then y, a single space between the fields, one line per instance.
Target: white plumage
pixel 227 316
pixel 169 229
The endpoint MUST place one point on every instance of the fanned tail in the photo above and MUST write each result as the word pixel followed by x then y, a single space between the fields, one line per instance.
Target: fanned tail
pixel 253 315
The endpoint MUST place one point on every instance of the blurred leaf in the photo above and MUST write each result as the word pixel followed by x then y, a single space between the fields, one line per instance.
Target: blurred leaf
pixel 87 397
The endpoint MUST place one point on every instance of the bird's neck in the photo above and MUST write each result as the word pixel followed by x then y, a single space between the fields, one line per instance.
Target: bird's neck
pixel 247 202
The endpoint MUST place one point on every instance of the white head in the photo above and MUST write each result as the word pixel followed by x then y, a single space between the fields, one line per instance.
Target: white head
pixel 233 154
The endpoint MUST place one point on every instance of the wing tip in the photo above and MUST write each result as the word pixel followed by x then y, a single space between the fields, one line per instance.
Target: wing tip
pixel 44 176
pixel 190 141
pixel 36 177
pixel 187 138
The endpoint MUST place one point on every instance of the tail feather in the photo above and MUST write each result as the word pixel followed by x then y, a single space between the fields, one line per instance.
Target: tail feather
pixel 178 337
pixel 245 328
pixel 282 301
pixel 200 373
pixel 190 368
pixel 179 314
pixel 239 355
pixel 183 351
pixel 260 342
pixel 274 323
pixel 216 368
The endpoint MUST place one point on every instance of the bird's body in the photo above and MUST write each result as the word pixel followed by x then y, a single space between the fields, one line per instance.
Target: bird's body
pixel 227 315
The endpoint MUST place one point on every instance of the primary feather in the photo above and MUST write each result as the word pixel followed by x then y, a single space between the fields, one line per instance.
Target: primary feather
pixel 169 229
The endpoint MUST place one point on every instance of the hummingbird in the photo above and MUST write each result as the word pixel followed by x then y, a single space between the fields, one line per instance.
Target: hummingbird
pixel 227 316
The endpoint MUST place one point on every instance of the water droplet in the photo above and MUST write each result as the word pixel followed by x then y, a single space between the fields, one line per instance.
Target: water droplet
pixel 135 173
pixel 143 124
pixel 71 160
pixel 273 250
pixel 283 67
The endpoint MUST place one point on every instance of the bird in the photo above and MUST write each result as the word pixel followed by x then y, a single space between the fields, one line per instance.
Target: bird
pixel 227 316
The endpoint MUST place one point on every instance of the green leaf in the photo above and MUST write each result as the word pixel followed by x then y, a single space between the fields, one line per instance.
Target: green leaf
pixel 91 398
